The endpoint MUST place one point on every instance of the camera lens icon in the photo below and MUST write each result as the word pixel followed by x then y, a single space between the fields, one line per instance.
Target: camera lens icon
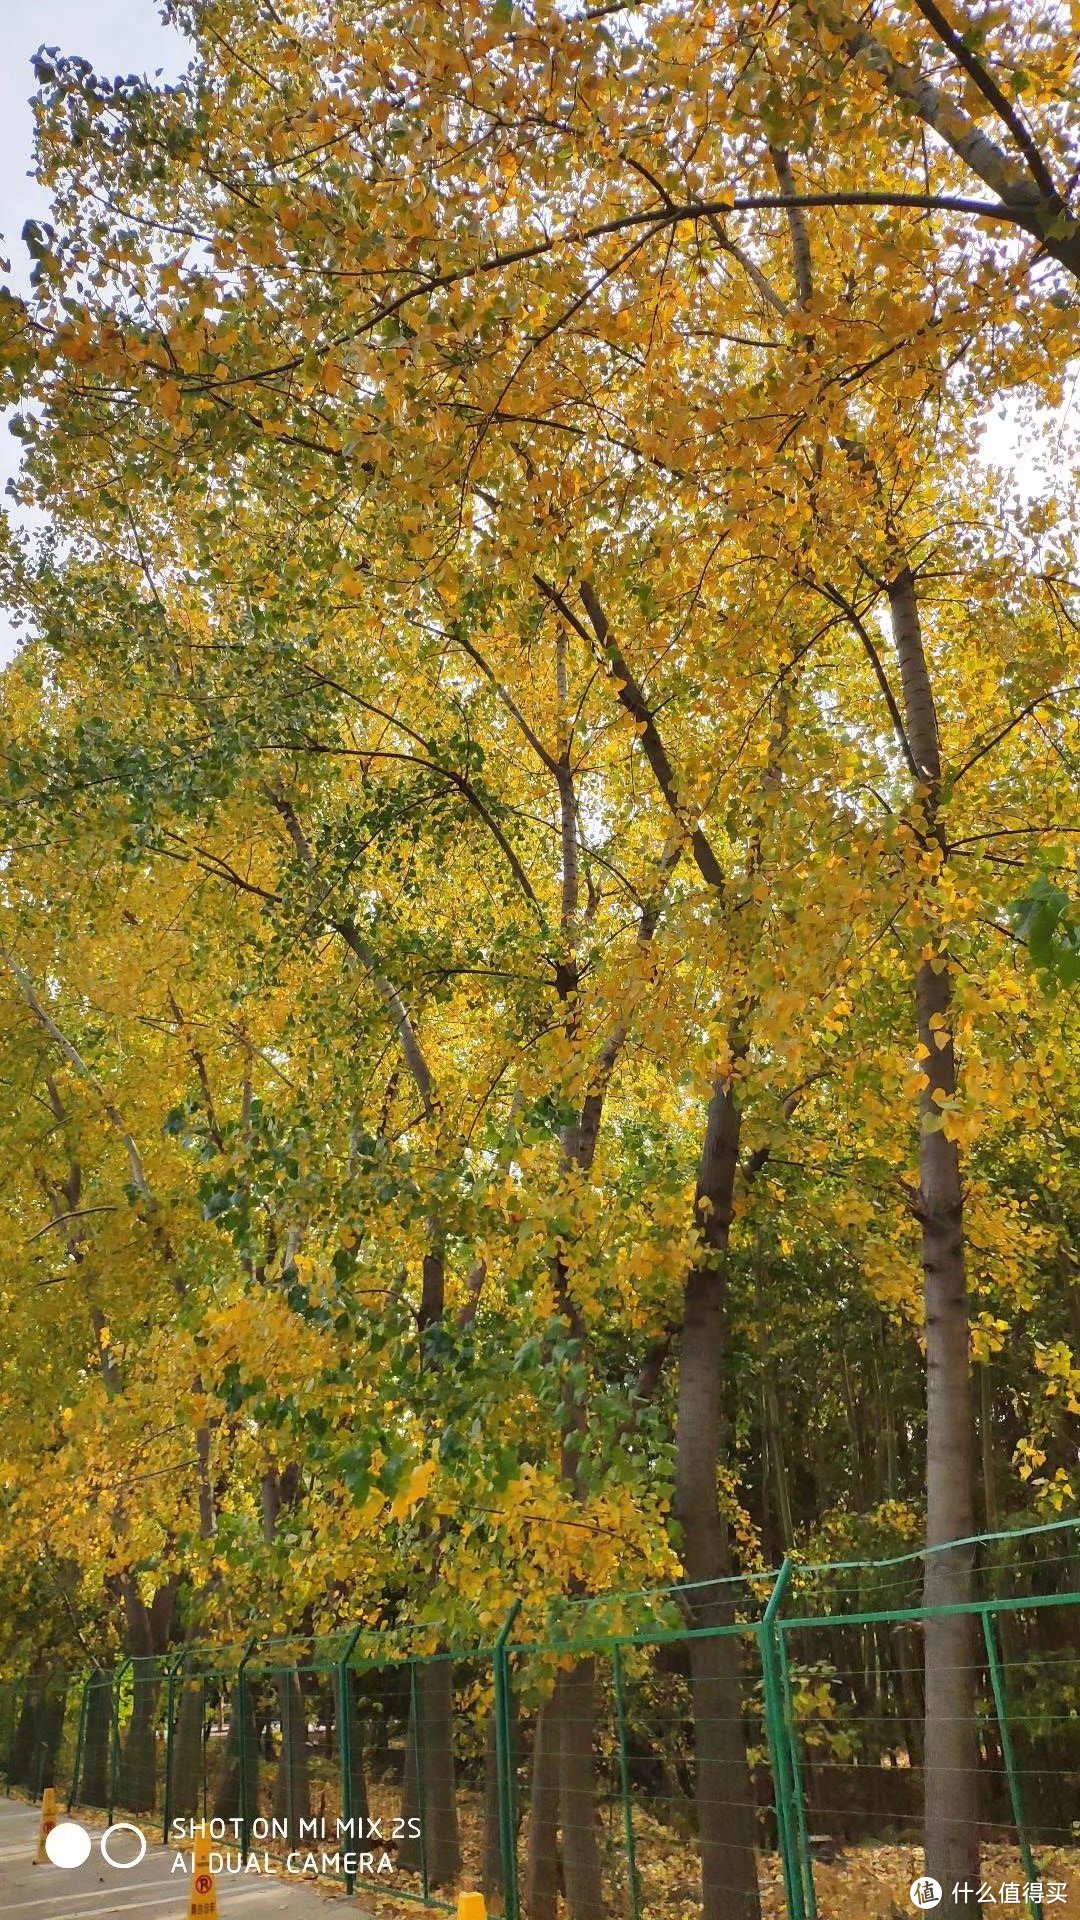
pixel 69 1845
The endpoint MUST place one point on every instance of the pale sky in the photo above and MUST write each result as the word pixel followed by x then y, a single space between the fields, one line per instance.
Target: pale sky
pixel 116 36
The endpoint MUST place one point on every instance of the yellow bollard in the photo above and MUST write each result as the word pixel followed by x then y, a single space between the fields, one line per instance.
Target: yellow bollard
pixel 202 1900
pixel 48 1822
pixel 470 1906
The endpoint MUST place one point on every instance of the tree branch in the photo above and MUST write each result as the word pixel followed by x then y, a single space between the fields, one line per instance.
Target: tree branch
pixel 838 599
pixel 635 703
pixel 991 92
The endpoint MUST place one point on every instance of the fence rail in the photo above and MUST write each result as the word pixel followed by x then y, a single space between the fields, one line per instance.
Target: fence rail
pixel 610 1759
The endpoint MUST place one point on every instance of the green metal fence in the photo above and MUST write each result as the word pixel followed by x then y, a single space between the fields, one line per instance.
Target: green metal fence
pixel 603 1757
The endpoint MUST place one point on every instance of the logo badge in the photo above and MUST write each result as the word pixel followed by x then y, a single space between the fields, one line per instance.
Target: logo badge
pixel 925 1892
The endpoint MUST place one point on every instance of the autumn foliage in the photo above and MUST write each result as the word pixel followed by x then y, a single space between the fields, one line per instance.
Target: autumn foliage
pixel 538 927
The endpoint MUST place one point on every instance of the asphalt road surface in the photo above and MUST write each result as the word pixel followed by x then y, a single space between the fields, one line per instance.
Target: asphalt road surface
pixel 95 1891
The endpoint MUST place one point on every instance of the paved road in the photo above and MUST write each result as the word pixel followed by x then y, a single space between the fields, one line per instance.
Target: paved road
pixel 96 1891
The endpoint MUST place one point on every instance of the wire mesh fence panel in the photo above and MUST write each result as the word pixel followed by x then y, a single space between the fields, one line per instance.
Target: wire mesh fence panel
pixel 1033 1661
pixel 474 1750
pixel 1033 1740
pixel 204 1778
pixel 382 1697
pixel 406 1748
pixel 756 1750
pixel 562 1799
pixel 858 1715
pixel 279 1733
pixel 701 1829
pixel 1042 1687
pixel 66 1728
pixel 140 1706
pixel 641 1783
pixel 432 1822
pixel 856 1705
pixel 91 1771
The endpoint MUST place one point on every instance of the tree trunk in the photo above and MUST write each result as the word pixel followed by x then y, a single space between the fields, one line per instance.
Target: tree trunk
pixel 891 1477
pixel 582 1874
pixel 28 1732
pixel 93 1784
pixel 52 1728
pixel 227 1798
pixel 292 1787
pixel 772 1432
pixel 899 1647
pixel 950 1780
pixel 429 1790
pixel 186 1758
pixel 724 1793
pixel 542 1864
pixel 147 1636
pixel 137 1784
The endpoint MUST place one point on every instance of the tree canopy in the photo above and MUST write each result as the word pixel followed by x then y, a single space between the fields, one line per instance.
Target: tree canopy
pixel 539 922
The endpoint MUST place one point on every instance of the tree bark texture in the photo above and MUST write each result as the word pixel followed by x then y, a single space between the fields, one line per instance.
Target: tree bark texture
pixel 542 1861
pixel 93 1785
pixel 292 1782
pixel 951 1805
pixel 186 1754
pixel 582 1872
pixel 227 1794
pixel 727 1823
pixel 430 1793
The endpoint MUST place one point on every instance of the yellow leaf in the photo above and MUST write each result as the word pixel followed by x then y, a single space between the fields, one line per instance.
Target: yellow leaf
pixel 414 1489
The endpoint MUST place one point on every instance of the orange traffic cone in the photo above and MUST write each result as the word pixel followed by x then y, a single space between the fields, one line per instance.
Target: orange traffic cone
pixel 202 1900
pixel 48 1822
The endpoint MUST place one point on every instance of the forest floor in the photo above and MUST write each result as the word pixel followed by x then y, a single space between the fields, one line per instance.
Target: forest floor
pixel 861 1882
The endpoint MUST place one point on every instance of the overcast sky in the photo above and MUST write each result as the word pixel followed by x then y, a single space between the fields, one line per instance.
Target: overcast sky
pixel 116 36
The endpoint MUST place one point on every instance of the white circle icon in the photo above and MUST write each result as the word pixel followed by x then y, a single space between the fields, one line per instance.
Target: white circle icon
pixel 925 1892
pixel 68 1844
pixel 122 1826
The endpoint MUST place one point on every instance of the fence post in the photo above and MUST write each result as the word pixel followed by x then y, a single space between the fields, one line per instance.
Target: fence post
pixel 171 1672
pixel 283 1686
pixel 114 1743
pixel 624 1781
pixel 777 1741
pixel 806 1864
pixel 241 1746
pixel 80 1740
pixel 418 1763
pixel 1016 1801
pixel 344 1707
pixel 504 1763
